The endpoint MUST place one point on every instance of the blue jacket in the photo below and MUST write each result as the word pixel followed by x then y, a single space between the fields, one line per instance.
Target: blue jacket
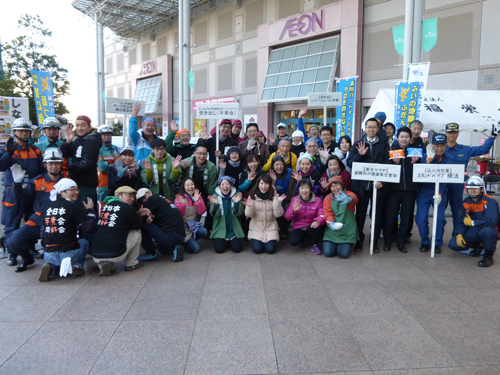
pixel 460 154
pixel 30 158
pixel 484 213
pixel 142 148
pixel 443 188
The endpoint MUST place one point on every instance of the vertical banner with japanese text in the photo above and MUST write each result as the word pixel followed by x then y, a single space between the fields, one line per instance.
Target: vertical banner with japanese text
pixel 419 73
pixel 43 90
pixel 406 103
pixel 345 112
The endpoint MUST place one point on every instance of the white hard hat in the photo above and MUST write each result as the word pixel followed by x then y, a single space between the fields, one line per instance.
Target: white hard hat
pixel 105 129
pixel 53 155
pixel 51 122
pixel 474 182
pixel 21 124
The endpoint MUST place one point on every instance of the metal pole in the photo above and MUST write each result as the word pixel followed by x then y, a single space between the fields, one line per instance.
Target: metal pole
pixel 417 32
pixel 181 62
pixel 124 127
pixel 434 221
pixel 408 38
pixel 374 210
pixel 324 116
pixel 186 109
pixel 98 81
pixel 102 111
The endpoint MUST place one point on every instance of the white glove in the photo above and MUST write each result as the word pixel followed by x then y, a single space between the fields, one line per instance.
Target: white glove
pixel 18 173
pixel 338 226
pixel 437 199
pixel 251 144
pixel 430 151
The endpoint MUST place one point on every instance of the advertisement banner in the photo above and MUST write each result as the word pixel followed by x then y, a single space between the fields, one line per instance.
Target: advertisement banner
pixel 419 73
pixel 398 33
pixel 429 34
pixel 406 103
pixel 43 90
pixel 345 112
pixel 124 106
pixel 229 99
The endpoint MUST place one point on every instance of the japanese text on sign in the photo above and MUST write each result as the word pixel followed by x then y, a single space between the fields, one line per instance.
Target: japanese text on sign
pixel 44 95
pixel 407 98
pixel 217 111
pixel 326 99
pixel 453 173
pixel 345 112
pixel 376 172
pixel 123 106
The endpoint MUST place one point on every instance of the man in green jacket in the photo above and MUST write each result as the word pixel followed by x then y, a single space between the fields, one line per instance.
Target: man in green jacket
pixel 183 148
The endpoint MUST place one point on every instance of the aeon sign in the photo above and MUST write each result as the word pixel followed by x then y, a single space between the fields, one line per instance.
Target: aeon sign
pixel 303 25
pixel 148 67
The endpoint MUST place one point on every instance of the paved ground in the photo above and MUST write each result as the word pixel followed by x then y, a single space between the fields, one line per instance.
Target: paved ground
pixel 288 313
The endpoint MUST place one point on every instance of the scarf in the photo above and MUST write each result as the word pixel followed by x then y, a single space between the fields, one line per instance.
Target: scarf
pixel 193 226
pixel 129 171
pixel 234 164
pixel 261 195
pixel 331 174
pixel 228 196
pixel 201 169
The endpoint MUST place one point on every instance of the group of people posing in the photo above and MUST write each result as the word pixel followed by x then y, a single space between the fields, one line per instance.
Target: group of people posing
pixel 84 196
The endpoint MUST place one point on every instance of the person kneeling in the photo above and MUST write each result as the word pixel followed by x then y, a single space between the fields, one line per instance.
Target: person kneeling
pixel 263 206
pixel 62 220
pixel 118 233
pixel 479 223
pixel 341 231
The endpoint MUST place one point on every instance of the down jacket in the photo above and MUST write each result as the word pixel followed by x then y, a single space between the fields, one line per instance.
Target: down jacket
pixel 263 226
pixel 308 212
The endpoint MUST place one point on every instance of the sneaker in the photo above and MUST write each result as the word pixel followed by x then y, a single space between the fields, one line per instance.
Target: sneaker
pixel 134 267
pixel 300 245
pixel 12 261
pixel 77 271
pixel 178 254
pixel 106 268
pixel 45 273
pixel 147 257
pixel 316 250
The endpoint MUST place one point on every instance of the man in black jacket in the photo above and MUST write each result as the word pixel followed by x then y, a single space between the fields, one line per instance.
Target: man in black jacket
pixel 369 149
pixel 84 154
pixel 118 235
pixel 167 228
pixel 225 141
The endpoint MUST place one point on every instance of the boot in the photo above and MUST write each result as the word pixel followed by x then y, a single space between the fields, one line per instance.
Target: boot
pixel 12 259
pixel 34 252
pixel 25 263
pixel 487 259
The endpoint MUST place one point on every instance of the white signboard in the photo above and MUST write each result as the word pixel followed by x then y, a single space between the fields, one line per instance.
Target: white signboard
pixel 419 73
pixel 325 99
pixel 376 172
pixel 433 173
pixel 123 106
pixel 13 108
pixel 217 111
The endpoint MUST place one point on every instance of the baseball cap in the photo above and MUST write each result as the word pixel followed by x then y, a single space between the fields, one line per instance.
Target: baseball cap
pixel 281 125
pixel 451 127
pixel 439 138
pixel 237 123
pixel 141 192
pixel 225 121
pixel 124 189
pixel 380 116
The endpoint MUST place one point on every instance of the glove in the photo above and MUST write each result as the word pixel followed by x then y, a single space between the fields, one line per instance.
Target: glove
pixel 460 240
pixel 430 153
pixel 495 129
pixel 437 199
pixel 11 147
pixel 18 173
pixel 251 144
pixel 331 225
pixel 343 198
pixel 468 221
pixel 120 169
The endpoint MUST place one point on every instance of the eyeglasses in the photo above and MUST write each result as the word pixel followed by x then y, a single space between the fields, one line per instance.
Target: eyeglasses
pixel 371 127
pixel 311 146
pixel 202 153
pixel 73 190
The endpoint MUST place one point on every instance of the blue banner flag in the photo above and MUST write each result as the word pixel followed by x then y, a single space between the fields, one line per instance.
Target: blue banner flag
pixel 345 112
pixel 406 103
pixel 43 90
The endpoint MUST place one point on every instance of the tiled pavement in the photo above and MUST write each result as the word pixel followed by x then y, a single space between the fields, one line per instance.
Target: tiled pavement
pixel 288 313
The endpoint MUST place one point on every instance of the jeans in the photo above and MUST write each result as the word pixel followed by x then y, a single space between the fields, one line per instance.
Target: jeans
pixel 258 247
pixel 77 256
pixel 220 245
pixel 165 241
pixel 330 249
pixel 191 245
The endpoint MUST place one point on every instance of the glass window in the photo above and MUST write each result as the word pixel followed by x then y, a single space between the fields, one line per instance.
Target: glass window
pixel 295 71
pixel 149 90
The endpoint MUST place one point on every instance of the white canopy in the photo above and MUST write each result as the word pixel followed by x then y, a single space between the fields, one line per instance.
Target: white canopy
pixel 473 110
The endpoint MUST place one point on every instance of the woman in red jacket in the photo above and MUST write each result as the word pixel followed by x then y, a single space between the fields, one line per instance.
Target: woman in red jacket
pixel 306 214
pixel 334 167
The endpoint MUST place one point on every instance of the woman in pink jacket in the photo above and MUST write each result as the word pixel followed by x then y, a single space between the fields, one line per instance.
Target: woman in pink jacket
pixel 306 214
pixel 192 207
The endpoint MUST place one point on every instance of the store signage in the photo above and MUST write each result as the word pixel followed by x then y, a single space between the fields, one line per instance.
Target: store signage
pixel 376 172
pixel 123 106
pixel 217 111
pixel 229 99
pixel 303 25
pixel 451 173
pixel 324 99
pixel 148 67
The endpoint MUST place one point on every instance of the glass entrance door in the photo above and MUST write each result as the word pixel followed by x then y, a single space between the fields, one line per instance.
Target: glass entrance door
pixel 313 116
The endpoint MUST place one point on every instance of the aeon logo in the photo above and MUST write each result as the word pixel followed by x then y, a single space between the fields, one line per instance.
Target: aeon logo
pixel 148 67
pixel 304 24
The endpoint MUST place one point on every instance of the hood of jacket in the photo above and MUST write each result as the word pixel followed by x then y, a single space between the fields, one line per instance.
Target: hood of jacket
pixel 232 194
pixel 159 161
pixel 91 137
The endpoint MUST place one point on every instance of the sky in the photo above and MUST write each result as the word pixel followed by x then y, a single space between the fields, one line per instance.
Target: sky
pixel 72 42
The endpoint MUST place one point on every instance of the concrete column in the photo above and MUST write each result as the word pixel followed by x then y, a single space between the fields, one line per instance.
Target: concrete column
pixel 417 32
pixel 408 38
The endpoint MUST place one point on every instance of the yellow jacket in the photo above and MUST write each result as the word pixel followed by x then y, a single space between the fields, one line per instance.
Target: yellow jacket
pixel 291 158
